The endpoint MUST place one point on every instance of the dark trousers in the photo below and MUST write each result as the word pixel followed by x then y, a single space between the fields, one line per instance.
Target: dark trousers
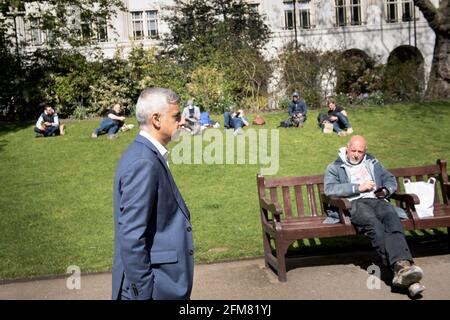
pixel 298 121
pixel 341 122
pixel 378 221
pixel 229 122
pixel 48 132
pixel 109 126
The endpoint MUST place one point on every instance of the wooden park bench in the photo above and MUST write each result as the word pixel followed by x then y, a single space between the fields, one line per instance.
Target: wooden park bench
pixel 294 208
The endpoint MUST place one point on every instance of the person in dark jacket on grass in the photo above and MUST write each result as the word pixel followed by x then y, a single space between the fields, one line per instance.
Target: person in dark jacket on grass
pixel 297 109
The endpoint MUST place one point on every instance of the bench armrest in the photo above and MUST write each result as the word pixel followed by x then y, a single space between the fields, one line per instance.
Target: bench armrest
pixel 274 208
pixel 340 203
pixel 409 198
pixel 343 205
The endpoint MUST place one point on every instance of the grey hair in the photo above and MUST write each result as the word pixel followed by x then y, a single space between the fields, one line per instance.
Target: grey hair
pixel 153 100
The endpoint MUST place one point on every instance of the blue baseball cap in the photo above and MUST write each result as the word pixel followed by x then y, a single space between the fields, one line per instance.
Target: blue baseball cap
pixel 295 94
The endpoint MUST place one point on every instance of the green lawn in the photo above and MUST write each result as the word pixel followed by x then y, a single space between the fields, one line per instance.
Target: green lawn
pixel 56 193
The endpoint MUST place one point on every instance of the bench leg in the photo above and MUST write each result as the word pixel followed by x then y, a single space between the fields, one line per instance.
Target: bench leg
pixel 267 248
pixel 282 247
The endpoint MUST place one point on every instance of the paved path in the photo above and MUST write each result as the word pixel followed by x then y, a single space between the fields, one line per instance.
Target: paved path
pixel 328 277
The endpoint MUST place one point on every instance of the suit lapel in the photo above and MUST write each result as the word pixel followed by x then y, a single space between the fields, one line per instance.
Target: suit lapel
pixel 175 190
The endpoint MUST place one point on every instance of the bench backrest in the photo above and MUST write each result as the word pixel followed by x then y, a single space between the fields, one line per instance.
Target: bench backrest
pixel 300 196
pixel 423 173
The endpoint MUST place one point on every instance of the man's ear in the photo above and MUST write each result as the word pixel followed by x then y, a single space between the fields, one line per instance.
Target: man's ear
pixel 155 120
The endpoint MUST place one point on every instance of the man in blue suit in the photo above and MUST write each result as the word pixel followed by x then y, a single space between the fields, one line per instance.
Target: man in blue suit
pixel 153 247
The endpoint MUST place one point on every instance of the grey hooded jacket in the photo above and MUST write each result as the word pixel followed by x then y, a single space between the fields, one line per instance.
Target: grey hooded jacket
pixel 337 178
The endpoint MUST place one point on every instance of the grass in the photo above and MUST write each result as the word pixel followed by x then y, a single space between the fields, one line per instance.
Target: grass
pixel 56 193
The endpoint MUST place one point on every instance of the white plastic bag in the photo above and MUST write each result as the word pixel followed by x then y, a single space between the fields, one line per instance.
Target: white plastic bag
pixel 425 192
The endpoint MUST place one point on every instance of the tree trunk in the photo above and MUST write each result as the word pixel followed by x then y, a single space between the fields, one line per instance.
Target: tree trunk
pixel 439 82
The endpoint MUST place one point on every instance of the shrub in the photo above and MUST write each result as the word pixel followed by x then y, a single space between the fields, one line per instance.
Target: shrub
pixel 80 113
pixel 403 80
pixel 208 85
pixel 283 102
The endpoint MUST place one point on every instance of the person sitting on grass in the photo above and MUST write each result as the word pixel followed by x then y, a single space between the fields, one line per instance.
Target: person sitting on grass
pixel 111 124
pixel 297 110
pixel 191 114
pixel 339 118
pixel 48 124
pixel 235 120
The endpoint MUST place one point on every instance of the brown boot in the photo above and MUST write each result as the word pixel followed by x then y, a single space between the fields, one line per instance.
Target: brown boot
pixel 406 274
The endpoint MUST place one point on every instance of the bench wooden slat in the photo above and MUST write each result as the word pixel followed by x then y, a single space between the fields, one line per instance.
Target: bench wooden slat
pixel 437 198
pixel 293 181
pixel 322 209
pixel 311 200
pixel 299 201
pixel 273 195
pixel 425 170
pixel 287 202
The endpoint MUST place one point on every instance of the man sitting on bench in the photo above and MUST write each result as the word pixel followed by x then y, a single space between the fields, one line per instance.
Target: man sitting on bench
pixel 362 179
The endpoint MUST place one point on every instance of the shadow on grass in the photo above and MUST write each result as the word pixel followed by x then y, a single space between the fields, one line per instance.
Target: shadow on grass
pixel 9 127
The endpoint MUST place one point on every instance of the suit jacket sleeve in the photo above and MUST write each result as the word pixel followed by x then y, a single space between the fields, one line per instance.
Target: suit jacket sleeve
pixel 138 190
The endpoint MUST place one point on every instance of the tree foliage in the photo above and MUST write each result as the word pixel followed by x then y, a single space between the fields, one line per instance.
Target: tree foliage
pixel 303 71
pixel 220 40
pixel 29 79
pixel 199 28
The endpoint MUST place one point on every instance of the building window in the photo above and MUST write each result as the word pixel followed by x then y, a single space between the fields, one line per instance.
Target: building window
pixel 340 13
pixel 85 25
pixel 152 24
pixel 49 25
pixel 407 8
pixel 391 11
pixel 137 25
pixel 102 30
pixel 355 12
pixel 36 36
pixel 304 19
pixel 289 19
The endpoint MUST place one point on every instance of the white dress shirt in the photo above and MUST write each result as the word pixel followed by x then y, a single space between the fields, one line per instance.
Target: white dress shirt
pixel 161 149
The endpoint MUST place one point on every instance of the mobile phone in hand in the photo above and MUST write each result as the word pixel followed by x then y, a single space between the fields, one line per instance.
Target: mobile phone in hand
pixel 380 189
pixel 381 192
